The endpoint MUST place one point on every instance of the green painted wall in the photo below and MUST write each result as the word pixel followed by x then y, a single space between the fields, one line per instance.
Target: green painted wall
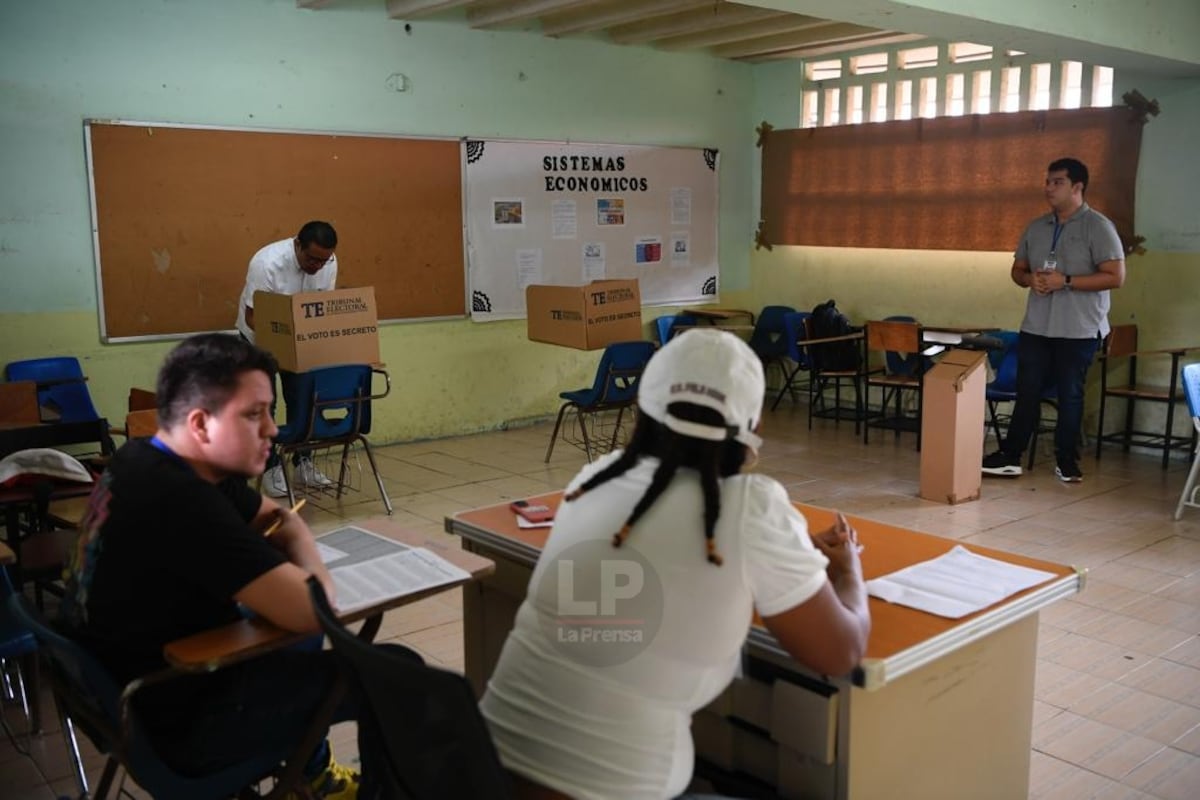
pixel 268 64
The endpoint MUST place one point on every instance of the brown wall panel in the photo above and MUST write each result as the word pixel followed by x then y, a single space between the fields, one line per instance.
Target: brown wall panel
pixel 180 211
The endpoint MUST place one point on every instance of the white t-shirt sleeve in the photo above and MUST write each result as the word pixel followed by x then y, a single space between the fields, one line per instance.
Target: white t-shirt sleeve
pixel 258 279
pixel 783 567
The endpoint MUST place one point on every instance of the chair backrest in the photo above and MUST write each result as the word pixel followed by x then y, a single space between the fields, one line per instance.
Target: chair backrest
pixel 15 639
pixel 62 387
pixel 420 731
pixel 1191 388
pixel 141 400
pixel 19 403
pixel 769 338
pixel 899 338
pixel 665 326
pixel 88 694
pixel 795 329
pixel 617 375
pixel 331 402
pixel 1004 363
pixel 141 424
pixel 1121 341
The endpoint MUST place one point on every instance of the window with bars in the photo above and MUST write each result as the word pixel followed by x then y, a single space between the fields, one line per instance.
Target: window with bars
pixel 939 80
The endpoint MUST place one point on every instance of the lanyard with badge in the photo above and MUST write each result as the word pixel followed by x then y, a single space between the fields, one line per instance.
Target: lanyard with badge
pixel 1051 262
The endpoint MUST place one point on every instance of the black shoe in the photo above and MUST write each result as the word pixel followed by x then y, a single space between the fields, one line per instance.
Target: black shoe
pixel 1068 471
pixel 1001 463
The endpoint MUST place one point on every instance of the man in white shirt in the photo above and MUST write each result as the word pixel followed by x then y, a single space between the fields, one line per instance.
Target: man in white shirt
pixel 304 263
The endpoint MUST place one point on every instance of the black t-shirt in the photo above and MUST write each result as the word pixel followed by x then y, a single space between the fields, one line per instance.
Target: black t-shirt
pixel 160 555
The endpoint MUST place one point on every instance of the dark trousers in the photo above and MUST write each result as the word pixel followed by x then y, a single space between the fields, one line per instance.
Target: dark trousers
pixel 202 723
pixel 1046 365
pixel 289 385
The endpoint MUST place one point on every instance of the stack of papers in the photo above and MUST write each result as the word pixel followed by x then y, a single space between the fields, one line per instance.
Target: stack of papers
pixel 956 584
pixel 368 569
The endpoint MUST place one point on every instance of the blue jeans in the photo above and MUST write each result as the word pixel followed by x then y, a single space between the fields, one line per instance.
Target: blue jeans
pixel 1050 367
pixel 288 380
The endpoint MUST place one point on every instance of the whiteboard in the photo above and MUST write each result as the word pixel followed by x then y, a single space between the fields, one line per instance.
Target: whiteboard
pixel 566 214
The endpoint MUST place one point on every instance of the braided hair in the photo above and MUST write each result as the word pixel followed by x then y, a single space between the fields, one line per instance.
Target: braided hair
pixel 713 460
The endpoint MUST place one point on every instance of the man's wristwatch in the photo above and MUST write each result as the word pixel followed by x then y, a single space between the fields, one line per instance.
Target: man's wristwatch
pixel 1067 281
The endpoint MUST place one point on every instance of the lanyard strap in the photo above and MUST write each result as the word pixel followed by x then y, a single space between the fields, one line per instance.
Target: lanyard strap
pixel 1058 229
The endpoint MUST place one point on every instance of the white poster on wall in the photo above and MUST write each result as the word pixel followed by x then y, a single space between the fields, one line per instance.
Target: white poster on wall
pixel 588 212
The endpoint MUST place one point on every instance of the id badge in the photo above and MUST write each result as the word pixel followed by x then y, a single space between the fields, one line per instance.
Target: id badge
pixel 1049 265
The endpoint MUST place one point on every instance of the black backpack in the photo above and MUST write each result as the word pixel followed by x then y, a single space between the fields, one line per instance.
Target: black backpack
pixel 828 322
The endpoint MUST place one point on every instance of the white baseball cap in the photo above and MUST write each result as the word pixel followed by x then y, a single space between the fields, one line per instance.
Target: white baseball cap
pixel 711 368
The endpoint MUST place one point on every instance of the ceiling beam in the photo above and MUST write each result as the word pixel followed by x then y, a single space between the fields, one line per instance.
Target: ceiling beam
pixel 513 11
pixel 616 12
pixel 689 22
pixel 412 9
pixel 791 23
pixel 883 39
pixel 814 35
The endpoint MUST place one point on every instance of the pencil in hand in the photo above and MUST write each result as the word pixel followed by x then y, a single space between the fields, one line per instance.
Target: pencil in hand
pixel 274 526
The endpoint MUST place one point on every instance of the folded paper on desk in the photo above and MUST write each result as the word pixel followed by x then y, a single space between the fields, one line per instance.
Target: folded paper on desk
pixel 368 569
pixel 955 584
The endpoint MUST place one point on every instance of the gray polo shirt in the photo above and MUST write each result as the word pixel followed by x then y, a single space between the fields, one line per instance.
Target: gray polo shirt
pixel 1086 239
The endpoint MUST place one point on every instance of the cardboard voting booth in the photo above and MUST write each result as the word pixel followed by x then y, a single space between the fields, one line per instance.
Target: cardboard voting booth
pixel 316 329
pixel 952 427
pixel 585 317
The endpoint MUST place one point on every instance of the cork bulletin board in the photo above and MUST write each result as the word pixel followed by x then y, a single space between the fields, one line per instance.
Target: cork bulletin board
pixel 177 212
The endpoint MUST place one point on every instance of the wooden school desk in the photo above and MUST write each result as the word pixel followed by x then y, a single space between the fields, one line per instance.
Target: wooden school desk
pixel 938 708
pixel 247 638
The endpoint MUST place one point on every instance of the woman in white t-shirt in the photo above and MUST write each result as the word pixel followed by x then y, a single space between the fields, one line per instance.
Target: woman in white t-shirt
pixel 639 605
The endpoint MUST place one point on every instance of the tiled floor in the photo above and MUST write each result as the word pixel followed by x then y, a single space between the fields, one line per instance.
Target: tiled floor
pixel 1117 709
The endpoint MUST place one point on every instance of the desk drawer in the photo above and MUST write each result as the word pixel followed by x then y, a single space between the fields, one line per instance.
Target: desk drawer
pixel 803 777
pixel 746 699
pixel 804 718
pixel 734 747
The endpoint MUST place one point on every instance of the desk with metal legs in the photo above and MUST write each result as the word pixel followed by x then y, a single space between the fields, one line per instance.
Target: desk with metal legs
pixel 938 708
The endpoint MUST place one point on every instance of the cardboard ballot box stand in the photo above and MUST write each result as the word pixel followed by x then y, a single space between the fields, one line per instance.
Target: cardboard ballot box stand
pixel 952 427
pixel 585 317
pixel 316 329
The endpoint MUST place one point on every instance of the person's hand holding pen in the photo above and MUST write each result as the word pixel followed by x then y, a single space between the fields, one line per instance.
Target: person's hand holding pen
pixel 290 533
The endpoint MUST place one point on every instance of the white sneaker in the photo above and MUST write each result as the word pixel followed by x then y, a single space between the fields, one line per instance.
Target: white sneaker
pixel 273 484
pixel 307 474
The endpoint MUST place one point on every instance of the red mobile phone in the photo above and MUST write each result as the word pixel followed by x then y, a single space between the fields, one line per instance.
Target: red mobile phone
pixel 532 512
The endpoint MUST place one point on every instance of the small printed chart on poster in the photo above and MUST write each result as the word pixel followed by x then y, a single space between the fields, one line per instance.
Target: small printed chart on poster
pixel 567 214
pixel 368 568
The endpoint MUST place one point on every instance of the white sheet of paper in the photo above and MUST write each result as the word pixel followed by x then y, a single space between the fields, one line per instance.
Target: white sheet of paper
pixel 955 584
pixel 529 267
pixel 593 261
pixel 328 553
pixel 413 570
pixel 564 219
pixel 681 205
pixel 524 523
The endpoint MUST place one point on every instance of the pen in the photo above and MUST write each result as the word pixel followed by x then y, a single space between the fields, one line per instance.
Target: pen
pixel 274 526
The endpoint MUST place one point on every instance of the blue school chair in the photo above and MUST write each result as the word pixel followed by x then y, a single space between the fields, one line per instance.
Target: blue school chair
pixel 327 407
pixel 1190 377
pixel 614 389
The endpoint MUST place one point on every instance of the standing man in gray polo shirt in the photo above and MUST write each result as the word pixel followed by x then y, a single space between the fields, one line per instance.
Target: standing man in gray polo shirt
pixel 1068 260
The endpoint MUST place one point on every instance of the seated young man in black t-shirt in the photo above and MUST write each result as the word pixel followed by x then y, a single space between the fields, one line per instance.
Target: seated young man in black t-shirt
pixel 173 541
